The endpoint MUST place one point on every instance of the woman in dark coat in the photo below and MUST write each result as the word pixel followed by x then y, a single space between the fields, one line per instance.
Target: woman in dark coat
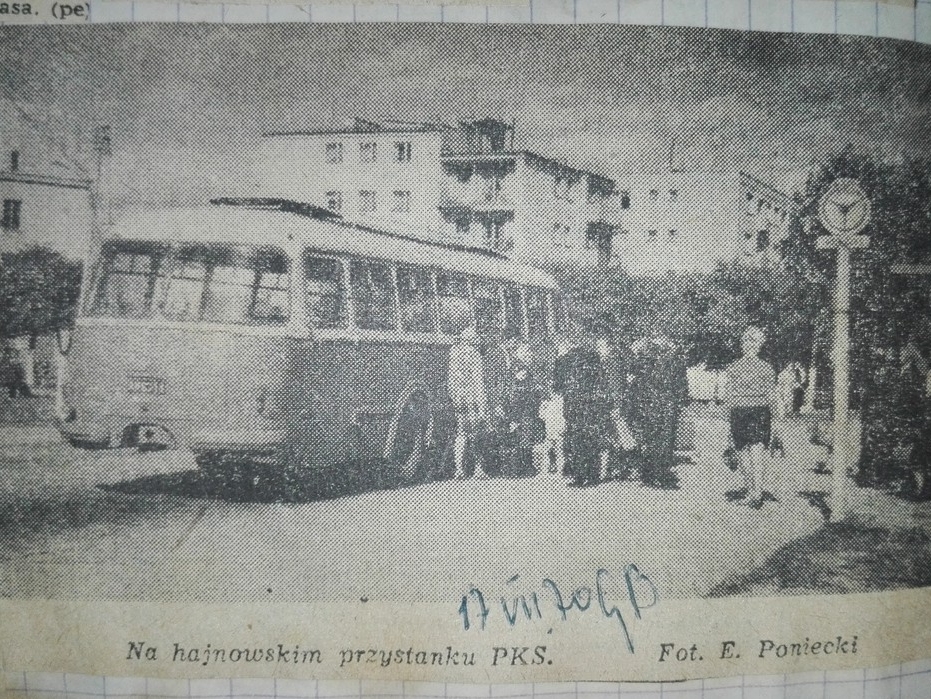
pixel 588 400
pixel 524 429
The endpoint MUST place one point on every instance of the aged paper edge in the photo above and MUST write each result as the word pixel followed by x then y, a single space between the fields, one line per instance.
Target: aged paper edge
pixel 499 3
pixel 116 638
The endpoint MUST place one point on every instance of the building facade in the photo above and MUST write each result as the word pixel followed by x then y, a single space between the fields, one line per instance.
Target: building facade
pixel 676 221
pixel 47 202
pixel 46 195
pixel 463 183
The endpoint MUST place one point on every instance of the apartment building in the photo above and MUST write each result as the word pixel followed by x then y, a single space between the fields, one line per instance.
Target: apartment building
pixel 689 221
pixel 463 183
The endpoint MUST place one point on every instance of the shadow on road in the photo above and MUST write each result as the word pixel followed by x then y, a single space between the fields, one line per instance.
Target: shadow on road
pixel 846 557
pixel 245 484
pixel 25 520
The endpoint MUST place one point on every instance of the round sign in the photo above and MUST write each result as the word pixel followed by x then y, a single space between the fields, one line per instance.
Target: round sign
pixel 844 209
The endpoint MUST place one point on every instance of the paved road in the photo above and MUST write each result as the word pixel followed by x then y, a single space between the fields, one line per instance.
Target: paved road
pixel 125 525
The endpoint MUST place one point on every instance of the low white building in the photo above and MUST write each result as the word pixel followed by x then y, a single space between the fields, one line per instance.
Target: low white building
pixel 47 202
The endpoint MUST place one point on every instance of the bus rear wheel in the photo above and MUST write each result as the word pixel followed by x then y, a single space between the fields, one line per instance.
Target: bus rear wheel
pixel 411 440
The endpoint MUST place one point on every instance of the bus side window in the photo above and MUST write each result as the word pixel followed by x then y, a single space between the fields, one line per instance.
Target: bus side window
pixel 536 312
pixel 455 303
pixel 558 312
pixel 229 293
pixel 513 312
pixel 415 292
pixel 126 285
pixel 373 295
pixel 325 292
pixel 182 289
pixel 489 309
pixel 272 295
pixel 247 286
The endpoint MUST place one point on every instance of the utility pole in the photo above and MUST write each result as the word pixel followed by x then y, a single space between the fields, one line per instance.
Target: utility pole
pixel 844 211
pixel 102 147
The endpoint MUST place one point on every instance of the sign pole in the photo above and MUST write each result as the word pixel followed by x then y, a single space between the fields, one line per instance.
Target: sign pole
pixel 842 450
pixel 844 211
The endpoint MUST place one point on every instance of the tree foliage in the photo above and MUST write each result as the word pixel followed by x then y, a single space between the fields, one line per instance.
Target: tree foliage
pixel 39 290
pixel 789 299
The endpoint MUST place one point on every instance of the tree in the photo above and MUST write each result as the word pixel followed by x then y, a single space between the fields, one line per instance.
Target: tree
pixel 39 291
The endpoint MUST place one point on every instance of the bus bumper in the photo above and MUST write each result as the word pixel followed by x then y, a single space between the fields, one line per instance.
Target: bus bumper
pixel 247 441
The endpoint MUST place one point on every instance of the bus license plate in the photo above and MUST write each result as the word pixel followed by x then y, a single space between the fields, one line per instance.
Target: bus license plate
pixel 146 386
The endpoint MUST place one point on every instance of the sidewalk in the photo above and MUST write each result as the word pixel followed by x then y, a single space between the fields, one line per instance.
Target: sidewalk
pixel 25 421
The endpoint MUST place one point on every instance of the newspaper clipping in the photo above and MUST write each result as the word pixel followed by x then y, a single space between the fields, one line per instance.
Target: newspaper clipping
pixel 478 353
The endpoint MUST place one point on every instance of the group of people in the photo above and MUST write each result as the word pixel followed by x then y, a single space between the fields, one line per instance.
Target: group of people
pixel 579 406
pixel 896 414
pixel 590 410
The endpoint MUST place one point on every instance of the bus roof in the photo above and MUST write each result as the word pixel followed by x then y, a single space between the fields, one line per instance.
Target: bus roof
pixel 274 226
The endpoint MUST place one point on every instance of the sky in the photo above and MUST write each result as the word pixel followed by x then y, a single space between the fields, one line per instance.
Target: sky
pixel 186 103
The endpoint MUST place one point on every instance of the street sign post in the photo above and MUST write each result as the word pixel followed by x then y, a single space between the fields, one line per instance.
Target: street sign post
pixel 844 211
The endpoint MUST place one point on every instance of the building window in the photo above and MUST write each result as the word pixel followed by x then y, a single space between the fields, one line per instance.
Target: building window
pixel 11 209
pixel 493 237
pixel 14 161
pixel 462 228
pixel 673 233
pixel 625 199
pixel 366 152
pixel 654 195
pixel 562 187
pixel 334 201
pixel 367 202
pixel 652 234
pixel 673 195
pixel 334 152
pixel 402 152
pixel 491 188
pixel 762 241
pixel 401 201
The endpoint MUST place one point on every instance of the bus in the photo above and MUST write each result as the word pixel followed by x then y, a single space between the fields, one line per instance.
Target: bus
pixel 277 332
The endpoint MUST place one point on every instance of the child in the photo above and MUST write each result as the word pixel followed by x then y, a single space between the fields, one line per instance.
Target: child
pixel 554 421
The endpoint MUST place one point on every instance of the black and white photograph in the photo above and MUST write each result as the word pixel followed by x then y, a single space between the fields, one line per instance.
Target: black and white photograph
pixel 311 313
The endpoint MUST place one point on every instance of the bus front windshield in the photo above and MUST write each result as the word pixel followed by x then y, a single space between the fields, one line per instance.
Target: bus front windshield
pixel 228 284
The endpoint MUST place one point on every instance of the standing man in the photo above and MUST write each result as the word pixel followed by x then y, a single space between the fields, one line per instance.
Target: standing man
pixel 577 378
pixel 498 379
pixel 466 384
pixel 613 389
pixel 522 414
pixel 749 394
pixel 659 392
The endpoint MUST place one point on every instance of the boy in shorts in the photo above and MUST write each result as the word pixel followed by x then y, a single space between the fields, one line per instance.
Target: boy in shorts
pixel 466 384
pixel 748 392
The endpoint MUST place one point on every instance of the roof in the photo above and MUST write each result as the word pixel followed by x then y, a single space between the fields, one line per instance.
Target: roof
pixel 45 180
pixel 351 131
pixel 540 162
pixel 248 224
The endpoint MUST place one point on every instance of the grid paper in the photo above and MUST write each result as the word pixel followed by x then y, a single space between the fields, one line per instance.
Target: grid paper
pixel 880 19
pixel 904 681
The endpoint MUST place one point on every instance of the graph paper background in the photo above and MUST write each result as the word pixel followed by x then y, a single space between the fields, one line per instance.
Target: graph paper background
pixel 911 22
